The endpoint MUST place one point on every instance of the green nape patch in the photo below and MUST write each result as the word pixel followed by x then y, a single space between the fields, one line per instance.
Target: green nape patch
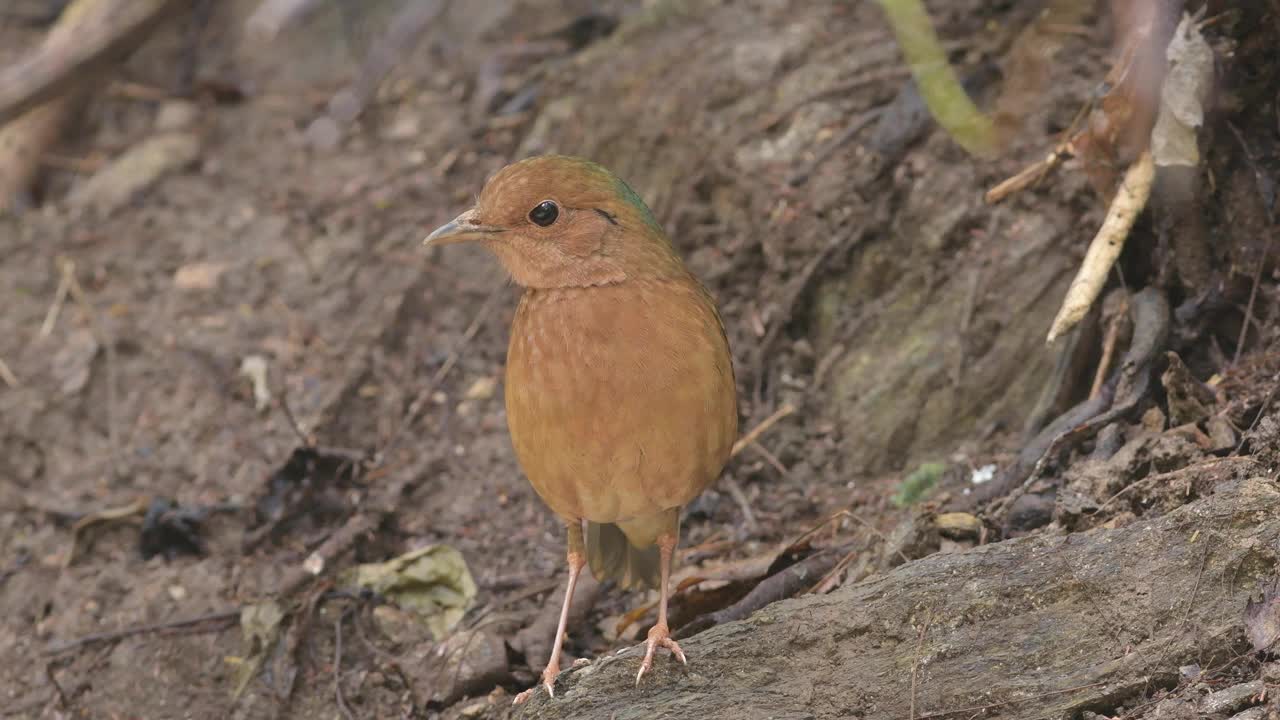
pixel 634 199
pixel 916 485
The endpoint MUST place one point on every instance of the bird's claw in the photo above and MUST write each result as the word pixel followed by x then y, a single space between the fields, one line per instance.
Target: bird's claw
pixel 548 682
pixel 659 635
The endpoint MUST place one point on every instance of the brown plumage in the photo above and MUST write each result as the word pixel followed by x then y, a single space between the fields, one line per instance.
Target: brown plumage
pixel 620 390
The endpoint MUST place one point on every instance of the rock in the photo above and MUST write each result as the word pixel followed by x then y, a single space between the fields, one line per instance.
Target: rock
pixel 467 662
pixel 1189 399
pixel 958 525
pixel 1231 699
pixel 914 537
pixel 1032 511
pixel 1221 435
pixel 1021 619
pixel 323 133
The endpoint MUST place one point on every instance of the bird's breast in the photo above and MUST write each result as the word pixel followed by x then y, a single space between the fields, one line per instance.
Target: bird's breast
pixel 620 399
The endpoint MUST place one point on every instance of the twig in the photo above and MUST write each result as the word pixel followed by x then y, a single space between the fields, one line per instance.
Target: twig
pixel 866 79
pixel 828 580
pixel 800 176
pixel 979 709
pixel 1108 353
pixel 61 695
pixel 272 16
pixel 59 299
pixel 770 458
pixel 838 515
pixel 1029 175
pixel 137 507
pixel 1105 248
pixel 109 348
pixel 416 406
pixel 1204 557
pixel 1253 296
pixel 735 492
pixel 1262 410
pixel 835 247
pixel 915 663
pixel 760 429
pixel 338 543
pixel 7 375
pixel 337 665
pixel 222 617
pixel 783 584
pixel 307 439
pixel 1150 479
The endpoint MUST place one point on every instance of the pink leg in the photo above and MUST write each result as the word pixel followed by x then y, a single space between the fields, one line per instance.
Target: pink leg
pixel 660 634
pixel 577 560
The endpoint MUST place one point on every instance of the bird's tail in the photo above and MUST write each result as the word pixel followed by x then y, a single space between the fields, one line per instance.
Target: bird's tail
pixel 613 557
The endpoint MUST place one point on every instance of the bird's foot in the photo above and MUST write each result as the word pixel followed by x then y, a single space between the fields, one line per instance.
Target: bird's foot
pixel 548 682
pixel 659 635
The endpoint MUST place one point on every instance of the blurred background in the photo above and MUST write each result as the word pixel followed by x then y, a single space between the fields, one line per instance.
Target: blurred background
pixel 253 454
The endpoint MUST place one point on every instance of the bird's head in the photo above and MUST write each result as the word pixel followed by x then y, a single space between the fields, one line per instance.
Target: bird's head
pixel 557 221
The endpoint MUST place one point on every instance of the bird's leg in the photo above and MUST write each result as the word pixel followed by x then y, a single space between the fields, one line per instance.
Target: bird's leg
pixel 577 558
pixel 660 634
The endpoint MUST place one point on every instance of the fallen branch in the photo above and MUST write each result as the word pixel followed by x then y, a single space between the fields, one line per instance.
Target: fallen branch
pixel 216 621
pixel 787 583
pixel 1045 626
pixel 1129 202
pixel 89 33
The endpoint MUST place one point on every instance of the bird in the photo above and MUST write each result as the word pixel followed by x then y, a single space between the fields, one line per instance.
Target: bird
pixel 620 393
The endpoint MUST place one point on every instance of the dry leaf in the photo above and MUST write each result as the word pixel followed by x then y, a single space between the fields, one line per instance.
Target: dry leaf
pixel 1262 619
pixel 1186 87
pixel 433 583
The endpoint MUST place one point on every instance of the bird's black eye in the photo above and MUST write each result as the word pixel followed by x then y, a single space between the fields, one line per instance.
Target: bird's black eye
pixel 544 213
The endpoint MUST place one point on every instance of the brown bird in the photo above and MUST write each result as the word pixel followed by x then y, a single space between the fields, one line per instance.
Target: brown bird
pixel 619 390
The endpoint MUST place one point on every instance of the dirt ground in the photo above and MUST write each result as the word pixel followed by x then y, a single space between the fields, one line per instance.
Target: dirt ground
pixel 865 284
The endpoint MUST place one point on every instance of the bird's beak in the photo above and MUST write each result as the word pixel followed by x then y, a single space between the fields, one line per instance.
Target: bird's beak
pixel 461 229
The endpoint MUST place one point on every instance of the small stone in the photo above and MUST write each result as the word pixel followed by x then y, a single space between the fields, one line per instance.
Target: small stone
pixel 314 564
pixel 406 125
pixel 475 709
pixel 177 592
pixel 1153 420
pixel 958 525
pixel 1221 435
pixel 472 660
pixel 482 389
pixel 199 275
pixel 176 115
pixel 254 367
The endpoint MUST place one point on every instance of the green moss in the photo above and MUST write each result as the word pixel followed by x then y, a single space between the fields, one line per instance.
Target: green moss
pixel 914 486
